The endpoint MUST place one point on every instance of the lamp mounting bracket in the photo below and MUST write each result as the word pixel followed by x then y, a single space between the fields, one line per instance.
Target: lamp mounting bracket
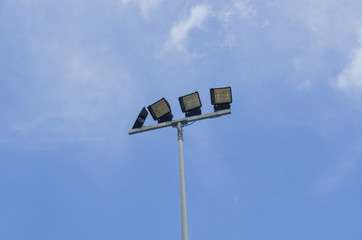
pixel 182 121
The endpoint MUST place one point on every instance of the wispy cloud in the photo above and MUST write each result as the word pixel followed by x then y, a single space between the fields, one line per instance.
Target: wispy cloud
pixel 180 32
pixel 146 6
pixel 82 94
pixel 199 14
pixel 245 9
pixel 335 177
pixel 229 41
pixel 351 77
pixel 76 84
pixel 231 13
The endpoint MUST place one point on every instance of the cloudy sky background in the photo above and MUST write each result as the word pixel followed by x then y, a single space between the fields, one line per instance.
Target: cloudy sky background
pixel 286 164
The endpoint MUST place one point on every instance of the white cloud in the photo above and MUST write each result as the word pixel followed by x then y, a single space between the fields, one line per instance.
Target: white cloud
pixel 232 13
pixel 351 77
pixel 179 33
pixel 145 5
pixel 229 41
pixel 245 9
pixel 226 15
pixel 199 14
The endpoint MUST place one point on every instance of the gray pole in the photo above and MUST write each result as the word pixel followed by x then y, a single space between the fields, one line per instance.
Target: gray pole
pixel 179 124
pixel 185 235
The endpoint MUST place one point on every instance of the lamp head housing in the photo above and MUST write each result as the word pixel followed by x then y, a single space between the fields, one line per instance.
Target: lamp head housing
pixel 161 111
pixel 221 98
pixel 140 119
pixel 190 104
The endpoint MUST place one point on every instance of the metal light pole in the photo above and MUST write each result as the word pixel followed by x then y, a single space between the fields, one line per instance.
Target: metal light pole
pixel 179 124
pixel 185 234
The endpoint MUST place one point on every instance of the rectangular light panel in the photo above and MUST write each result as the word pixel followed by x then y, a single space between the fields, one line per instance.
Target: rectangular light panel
pixel 220 95
pixel 159 109
pixel 190 102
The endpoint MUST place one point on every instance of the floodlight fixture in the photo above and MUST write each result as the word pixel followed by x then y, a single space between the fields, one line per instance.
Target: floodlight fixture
pixel 161 111
pixel 221 98
pixel 140 119
pixel 190 104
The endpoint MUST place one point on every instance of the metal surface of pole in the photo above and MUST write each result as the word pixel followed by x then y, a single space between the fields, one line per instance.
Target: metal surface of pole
pixel 179 124
pixel 185 235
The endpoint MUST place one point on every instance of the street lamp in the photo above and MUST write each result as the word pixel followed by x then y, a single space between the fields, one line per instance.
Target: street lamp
pixel 191 105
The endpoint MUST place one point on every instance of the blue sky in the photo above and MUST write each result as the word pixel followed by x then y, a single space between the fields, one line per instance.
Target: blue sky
pixel 286 164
